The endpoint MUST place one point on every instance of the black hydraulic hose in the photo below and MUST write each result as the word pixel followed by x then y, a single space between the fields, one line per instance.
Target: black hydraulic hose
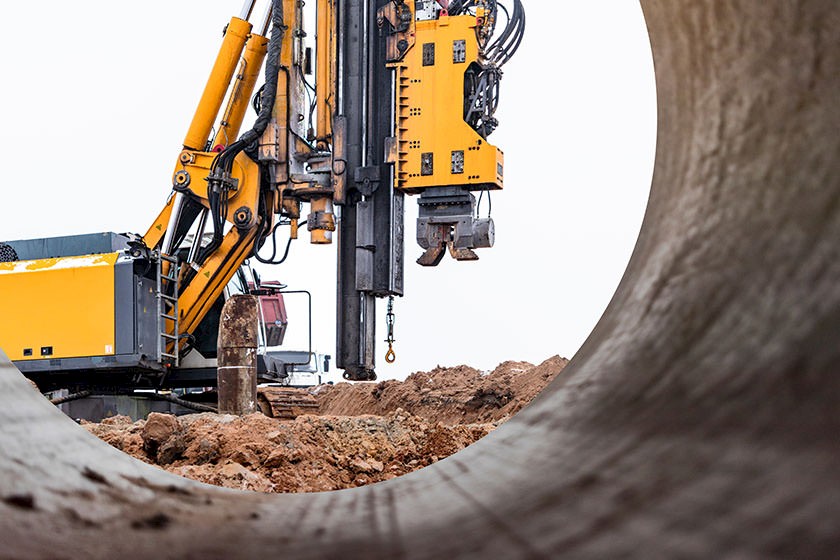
pixel 157 396
pixel 181 402
pixel 269 90
pixel 274 252
pixel 273 235
pixel 7 253
pixel 215 194
pixel 71 397
pixel 510 47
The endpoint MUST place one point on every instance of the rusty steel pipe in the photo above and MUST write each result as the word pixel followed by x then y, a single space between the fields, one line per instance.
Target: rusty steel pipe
pixel 237 355
pixel 699 419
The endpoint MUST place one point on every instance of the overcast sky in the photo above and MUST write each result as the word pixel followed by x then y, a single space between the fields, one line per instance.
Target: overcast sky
pixel 97 97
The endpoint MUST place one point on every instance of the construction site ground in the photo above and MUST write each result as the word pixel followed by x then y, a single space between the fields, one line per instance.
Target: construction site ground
pixel 360 434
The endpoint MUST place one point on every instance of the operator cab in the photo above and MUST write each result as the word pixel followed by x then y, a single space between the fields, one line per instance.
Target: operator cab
pixel 273 319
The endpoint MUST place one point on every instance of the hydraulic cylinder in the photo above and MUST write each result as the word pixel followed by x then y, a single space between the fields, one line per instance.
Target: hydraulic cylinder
pixel 240 95
pixel 217 85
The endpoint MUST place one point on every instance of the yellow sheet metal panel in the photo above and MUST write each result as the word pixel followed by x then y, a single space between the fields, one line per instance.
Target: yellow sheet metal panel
pixel 436 146
pixel 64 306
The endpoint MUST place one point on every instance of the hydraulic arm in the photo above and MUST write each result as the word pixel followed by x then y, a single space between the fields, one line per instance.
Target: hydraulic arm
pixel 402 103
pixel 397 99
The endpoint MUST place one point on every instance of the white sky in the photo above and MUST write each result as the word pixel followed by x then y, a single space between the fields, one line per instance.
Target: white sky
pixel 96 99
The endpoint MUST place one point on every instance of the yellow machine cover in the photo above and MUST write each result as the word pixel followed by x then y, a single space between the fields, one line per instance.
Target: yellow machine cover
pixel 58 308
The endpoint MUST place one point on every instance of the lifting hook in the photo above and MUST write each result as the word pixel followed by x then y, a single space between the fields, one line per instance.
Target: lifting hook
pixel 390 356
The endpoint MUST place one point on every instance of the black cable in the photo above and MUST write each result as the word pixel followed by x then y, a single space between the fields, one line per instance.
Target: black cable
pixel 181 402
pixel 269 90
pixel 222 164
pixel 505 32
pixel 482 81
pixel 505 43
pixel 188 346
pixel 273 235
pixel 7 253
pixel 507 48
pixel 312 97
pixel 71 397
pixel 256 101
pixel 274 252
pixel 489 202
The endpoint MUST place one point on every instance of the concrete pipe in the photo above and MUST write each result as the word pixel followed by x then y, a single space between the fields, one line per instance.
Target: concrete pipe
pixel 700 418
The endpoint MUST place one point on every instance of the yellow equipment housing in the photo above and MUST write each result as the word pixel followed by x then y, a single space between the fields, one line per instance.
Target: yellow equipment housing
pixel 77 303
pixel 74 315
pixel 436 146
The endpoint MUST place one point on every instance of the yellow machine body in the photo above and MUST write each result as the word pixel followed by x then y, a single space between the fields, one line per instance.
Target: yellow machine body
pixel 63 307
pixel 436 147
pixel 112 312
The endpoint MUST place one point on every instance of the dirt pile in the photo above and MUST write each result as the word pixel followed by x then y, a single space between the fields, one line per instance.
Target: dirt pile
pixel 363 433
pixel 457 395
pixel 308 454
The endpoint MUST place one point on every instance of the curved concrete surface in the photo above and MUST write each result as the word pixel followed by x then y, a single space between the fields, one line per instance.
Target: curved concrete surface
pixel 700 419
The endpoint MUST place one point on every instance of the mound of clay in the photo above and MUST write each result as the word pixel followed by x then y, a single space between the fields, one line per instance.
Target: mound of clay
pixel 308 454
pixel 363 433
pixel 456 395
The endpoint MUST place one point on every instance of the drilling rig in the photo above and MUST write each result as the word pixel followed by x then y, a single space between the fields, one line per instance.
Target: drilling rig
pixel 396 99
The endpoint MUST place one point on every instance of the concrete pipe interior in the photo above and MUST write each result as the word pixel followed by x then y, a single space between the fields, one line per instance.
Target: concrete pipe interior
pixel 700 419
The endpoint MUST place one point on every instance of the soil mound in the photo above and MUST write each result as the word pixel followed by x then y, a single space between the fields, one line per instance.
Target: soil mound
pixel 455 395
pixel 363 433
pixel 308 454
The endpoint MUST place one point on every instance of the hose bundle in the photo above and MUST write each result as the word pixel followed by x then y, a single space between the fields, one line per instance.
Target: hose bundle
pixel 481 95
pixel 219 180
pixel 7 253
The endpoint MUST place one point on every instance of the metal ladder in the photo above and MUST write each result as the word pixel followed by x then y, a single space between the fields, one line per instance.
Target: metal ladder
pixel 167 309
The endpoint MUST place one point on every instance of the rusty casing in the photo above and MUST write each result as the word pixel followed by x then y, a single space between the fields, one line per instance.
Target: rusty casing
pixel 237 368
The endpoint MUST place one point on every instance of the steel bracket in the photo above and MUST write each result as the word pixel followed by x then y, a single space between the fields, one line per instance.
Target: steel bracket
pixel 367 179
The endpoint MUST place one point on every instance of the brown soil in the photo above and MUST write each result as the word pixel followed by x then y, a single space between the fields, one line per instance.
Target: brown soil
pixel 363 433
pixel 457 395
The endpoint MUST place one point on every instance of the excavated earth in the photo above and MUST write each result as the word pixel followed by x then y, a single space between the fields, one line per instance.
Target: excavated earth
pixel 362 433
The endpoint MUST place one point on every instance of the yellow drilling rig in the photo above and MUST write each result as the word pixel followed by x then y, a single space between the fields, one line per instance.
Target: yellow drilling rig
pixel 396 98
